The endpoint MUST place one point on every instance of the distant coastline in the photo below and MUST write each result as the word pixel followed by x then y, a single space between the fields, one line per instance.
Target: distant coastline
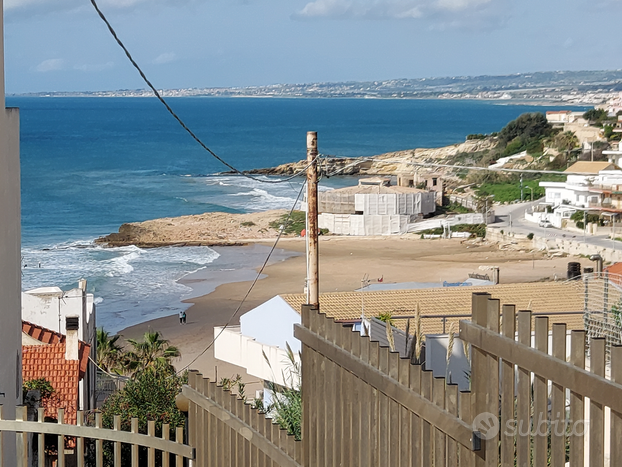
pixel 542 88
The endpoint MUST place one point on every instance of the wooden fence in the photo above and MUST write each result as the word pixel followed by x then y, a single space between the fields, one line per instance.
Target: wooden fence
pixel 228 432
pixel 31 433
pixel 532 403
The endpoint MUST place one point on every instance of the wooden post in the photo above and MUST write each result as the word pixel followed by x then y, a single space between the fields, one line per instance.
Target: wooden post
pixel 312 215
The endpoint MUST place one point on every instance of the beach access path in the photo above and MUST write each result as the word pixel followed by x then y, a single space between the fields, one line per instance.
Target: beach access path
pixel 343 262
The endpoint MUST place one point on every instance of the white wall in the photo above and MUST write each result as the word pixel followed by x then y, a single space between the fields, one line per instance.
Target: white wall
pixel 10 262
pixel 272 323
pixel 234 347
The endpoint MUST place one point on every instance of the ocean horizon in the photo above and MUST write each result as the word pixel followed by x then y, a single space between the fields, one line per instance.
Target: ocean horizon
pixel 89 165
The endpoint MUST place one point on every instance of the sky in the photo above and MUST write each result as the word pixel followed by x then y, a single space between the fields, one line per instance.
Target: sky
pixel 62 45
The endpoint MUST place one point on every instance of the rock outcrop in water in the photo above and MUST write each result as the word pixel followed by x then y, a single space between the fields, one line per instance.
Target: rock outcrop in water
pixel 209 229
pixel 391 163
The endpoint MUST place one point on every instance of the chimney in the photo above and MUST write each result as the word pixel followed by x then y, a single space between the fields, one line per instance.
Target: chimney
pixel 72 324
pixel 82 284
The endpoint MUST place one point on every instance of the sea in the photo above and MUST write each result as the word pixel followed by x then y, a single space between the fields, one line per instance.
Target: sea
pixel 90 164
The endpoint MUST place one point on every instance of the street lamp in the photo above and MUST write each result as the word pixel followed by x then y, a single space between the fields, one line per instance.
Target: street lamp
pixel 531 192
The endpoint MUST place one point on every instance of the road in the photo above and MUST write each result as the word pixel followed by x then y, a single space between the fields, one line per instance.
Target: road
pixel 511 218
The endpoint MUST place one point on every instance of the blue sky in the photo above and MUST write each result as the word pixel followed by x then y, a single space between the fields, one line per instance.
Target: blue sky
pixel 61 45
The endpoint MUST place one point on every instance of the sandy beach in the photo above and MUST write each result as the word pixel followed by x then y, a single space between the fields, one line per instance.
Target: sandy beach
pixel 343 262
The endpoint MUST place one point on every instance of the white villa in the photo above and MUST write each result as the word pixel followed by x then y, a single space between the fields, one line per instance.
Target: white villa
pixel 593 186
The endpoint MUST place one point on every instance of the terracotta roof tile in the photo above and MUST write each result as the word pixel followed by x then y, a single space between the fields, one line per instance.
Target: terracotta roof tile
pixel 48 336
pixel 45 361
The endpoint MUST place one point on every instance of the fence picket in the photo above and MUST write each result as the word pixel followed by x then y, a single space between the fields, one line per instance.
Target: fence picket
pixel 383 411
pixel 99 446
pixel 415 420
pixel 438 397
pixel 405 438
pixel 523 396
pixel 79 440
pixel 577 404
pixel 166 433
pixel 479 367
pixel 616 417
pixel 451 404
pixel 597 419
pixel 374 349
pixel 394 412
pixel 117 445
pixel 366 405
pixel 493 308
pixel 558 402
pixel 466 457
pixel 540 397
pixel 21 438
pixel 354 395
pixel 507 390
pixel 427 440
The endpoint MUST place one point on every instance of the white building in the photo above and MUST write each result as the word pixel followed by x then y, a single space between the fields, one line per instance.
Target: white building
pixel 10 262
pixel 373 208
pixel 49 307
pixel 589 186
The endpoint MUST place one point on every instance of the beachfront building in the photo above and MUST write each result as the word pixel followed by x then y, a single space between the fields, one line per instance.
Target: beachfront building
pixel 10 259
pixel 260 343
pixel 49 308
pixel 373 207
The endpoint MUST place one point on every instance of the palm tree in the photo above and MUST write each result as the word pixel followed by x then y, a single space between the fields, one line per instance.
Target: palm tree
pixel 151 354
pixel 110 355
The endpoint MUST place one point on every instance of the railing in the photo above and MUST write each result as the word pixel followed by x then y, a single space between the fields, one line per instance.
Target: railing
pixel 26 444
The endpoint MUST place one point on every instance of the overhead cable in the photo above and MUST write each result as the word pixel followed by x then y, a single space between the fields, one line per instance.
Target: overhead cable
pixel 250 289
pixel 175 116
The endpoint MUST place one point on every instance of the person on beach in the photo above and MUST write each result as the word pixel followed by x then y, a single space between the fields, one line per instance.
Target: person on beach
pixel 182 316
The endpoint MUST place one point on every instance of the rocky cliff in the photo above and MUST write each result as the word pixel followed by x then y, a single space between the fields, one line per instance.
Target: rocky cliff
pixel 391 163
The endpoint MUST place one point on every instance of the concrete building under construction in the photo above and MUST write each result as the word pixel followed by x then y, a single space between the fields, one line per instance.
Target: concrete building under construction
pixel 373 207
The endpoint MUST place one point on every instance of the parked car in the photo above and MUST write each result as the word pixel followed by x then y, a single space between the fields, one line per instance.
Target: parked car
pixel 545 223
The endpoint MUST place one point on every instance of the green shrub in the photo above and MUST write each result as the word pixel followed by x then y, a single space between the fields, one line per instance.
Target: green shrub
pixel 293 226
pixel 247 224
pixel 530 235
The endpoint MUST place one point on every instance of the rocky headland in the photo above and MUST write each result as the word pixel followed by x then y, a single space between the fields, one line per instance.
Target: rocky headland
pixel 392 163
pixel 209 229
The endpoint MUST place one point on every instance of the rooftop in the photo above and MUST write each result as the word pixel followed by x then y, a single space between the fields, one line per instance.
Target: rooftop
pixel 539 297
pixel 591 168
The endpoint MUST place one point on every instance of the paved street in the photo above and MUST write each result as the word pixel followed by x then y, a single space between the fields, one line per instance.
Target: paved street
pixel 511 218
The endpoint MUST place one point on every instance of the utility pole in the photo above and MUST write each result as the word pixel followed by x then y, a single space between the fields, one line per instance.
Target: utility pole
pixel 521 187
pixel 313 294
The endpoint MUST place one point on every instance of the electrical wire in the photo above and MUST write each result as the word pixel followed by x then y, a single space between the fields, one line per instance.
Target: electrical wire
pixel 176 117
pixel 250 289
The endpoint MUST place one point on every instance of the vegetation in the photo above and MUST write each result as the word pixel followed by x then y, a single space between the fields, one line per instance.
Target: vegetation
pixel 596 116
pixel 295 225
pixel 530 235
pixel 510 191
pixel 286 406
pixel 452 208
pixel 149 396
pixel 475 136
pixel 152 353
pixel 110 355
pixel 477 230
pixel 247 224
pixel 386 318
pixel 526 129
pixel 42 385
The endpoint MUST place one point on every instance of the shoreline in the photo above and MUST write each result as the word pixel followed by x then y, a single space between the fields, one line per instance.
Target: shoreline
pixel 343 261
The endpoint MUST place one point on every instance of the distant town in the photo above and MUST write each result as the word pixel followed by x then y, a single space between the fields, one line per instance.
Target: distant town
pixel 566 87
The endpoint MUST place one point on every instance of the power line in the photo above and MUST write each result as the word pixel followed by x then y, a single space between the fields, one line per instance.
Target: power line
pixel 259 273
pixel 176 117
